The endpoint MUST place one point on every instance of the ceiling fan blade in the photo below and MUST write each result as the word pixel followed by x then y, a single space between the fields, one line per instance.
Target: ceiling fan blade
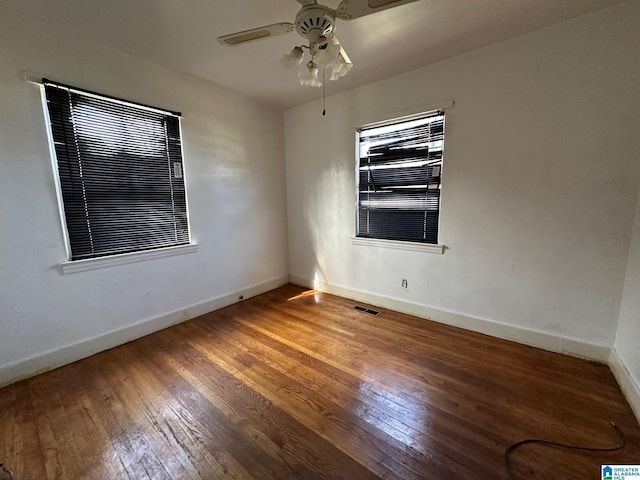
pixel 350 9
pixel 254 34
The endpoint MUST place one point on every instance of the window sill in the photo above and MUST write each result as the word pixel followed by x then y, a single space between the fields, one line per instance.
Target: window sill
pixel 398 245
pixel 75 266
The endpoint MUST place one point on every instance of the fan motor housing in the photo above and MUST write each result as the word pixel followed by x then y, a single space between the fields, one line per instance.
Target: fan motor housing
pixel 315 21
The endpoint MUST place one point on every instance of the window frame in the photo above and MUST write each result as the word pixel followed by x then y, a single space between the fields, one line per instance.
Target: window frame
pixel 70 265
pixel 379 121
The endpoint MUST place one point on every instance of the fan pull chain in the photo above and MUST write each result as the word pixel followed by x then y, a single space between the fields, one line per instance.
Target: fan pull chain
pixel 324 109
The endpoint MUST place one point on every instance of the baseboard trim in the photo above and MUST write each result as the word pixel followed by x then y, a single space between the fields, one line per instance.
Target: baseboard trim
pixel 628 384
pixel 31 366
pixel 534 338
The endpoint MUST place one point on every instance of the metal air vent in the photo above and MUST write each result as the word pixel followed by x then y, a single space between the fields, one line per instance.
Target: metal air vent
pixel 370 311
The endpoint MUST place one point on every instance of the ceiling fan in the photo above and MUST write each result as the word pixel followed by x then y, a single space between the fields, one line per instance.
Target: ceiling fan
pixel 317 24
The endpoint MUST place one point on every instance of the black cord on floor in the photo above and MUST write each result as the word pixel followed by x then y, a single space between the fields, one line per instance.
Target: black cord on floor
pixel 4 473
pixel 515 445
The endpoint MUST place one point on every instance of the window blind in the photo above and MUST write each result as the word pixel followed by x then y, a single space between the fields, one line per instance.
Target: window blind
pixel 121 173
pixel 400 169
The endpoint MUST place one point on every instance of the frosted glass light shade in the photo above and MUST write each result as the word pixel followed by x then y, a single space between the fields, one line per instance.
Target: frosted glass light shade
pixel 341 66
pixel 292 59
pixel 308 75
pixel 326 56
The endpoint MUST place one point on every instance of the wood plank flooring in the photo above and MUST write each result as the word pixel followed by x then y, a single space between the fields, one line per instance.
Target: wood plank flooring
pixel 296 384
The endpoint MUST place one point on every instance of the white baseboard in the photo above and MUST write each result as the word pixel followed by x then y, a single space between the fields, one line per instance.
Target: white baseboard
pixel 534 338
pixel 31 366
pixel 629 385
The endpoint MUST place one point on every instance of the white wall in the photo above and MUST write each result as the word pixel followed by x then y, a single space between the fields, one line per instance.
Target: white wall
pixel 625 357
pixel 234 161
pixel 539 186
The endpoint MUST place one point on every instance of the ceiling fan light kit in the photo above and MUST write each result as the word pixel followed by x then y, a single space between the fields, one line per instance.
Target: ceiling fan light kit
pixel 317 24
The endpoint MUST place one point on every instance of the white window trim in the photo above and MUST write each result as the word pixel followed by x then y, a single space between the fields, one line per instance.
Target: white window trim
pixel 391 117
pixel 399 245
pixel 75 266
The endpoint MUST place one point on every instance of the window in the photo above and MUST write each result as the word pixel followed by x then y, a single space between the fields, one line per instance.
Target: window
pixel 120 171
pixel 399 172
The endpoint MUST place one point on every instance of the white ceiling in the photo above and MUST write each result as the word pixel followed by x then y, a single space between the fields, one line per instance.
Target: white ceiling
pixel 181 35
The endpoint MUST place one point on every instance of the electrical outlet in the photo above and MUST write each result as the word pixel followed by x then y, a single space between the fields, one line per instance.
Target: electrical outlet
pixel 405 283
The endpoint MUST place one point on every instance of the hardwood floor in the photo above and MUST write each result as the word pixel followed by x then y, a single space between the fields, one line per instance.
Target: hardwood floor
pixel 295 384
